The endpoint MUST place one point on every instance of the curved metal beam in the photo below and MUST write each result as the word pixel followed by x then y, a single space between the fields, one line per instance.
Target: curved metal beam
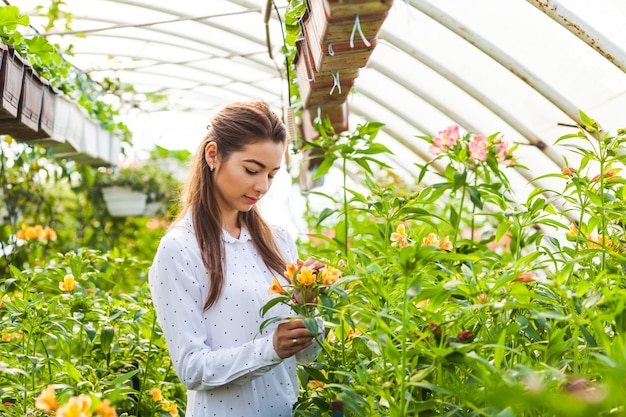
pixel 486 101
pixel 501 57
pixel 583 30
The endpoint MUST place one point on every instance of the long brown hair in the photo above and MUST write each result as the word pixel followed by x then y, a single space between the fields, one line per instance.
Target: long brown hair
pixel 234 127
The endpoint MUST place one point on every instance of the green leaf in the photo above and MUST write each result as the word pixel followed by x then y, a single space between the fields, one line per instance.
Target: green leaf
pixel 124 377
pixel 502 229
pixel 475 197
pixel 10 17
pixel 374 148
pixel 459 179
pixel 324 167
pixel 327 212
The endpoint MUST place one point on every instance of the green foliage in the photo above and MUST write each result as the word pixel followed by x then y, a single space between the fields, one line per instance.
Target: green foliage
pixel 83 338
pixel 457 301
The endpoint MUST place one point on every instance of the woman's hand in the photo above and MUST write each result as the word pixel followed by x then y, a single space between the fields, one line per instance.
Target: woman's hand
pixel 291 337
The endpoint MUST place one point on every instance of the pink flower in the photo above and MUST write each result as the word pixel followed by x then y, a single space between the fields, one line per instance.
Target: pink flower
pixel 478 148
pixel 445 139
pixel 502 148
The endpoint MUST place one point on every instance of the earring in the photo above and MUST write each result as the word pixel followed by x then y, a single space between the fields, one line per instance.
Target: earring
pixel 211 168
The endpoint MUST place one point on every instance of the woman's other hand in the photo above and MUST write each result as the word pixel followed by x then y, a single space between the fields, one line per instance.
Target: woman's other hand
pixel 291 337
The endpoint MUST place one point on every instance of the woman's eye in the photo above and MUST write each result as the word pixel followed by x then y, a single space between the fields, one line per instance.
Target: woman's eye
pixel 250 172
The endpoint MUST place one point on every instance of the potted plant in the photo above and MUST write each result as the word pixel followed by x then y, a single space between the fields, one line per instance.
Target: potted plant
pixel 137 190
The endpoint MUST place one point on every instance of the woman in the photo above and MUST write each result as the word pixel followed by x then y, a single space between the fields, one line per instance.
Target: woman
pixel 211 274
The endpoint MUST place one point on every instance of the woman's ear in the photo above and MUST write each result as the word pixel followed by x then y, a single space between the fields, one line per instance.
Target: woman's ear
pixel 210 154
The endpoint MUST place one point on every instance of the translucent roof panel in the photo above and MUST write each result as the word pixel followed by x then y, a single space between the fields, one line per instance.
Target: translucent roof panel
pixel 523 68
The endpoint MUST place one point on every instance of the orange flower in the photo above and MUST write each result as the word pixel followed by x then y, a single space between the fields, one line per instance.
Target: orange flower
pixel 445 244
pixel 526 277
pixel 306 276
pixel 47 399
pixel 275 288
pixel 170 407
pixel 290 271
pixel 6 337
pixel 104 409
pixel 330 275
pixel 608 174
pixel 352 333
pixel 79 406
pixel 482 297
pixel 430 240
pixel 399 237
pixel 68 284
pixel 156 394
pixel 568 171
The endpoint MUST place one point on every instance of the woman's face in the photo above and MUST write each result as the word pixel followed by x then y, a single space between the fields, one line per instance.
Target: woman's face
pixel 241 180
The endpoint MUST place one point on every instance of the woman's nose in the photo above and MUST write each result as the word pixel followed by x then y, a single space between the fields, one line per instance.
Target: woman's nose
pixel 263 184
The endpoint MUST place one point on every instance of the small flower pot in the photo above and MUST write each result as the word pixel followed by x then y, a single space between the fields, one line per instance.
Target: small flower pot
pixel 124 201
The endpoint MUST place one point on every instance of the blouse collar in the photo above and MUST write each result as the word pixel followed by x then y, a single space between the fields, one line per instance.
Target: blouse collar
pixel 244 236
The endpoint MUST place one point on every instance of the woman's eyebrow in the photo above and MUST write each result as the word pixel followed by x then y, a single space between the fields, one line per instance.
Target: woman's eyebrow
pixel 261 165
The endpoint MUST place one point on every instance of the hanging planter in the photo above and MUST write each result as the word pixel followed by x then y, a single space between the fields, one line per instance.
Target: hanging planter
pixel 151 189
pixel 11 76
pixel 43 135
pixel 25 126
pixel 124 201
pixel 321 88
pixel 66 128
pixel 337 114
pixel 338 22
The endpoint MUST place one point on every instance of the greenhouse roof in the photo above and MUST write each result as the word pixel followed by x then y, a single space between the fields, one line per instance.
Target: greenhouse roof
pixel 521 68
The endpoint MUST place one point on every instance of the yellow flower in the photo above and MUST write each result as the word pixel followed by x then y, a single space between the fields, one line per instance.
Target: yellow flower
pixel 290 271
pixel 68 284
pixel 6 337
pixel 79 406
pixel 170 407
pixel 430 240
pixel 445 244
pixel 104 409
pixel 156 394
pixel 315 384
pixel 47 399
pixel 399 237
pixel 4 299
pixel 275 288
pixel 30 233
pixel 573 230
pixel 330 275
pixel 306 276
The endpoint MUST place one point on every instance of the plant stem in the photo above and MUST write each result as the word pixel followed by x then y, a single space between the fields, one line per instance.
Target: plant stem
pixel 345 203
pixel 403 353
pixel 457 226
